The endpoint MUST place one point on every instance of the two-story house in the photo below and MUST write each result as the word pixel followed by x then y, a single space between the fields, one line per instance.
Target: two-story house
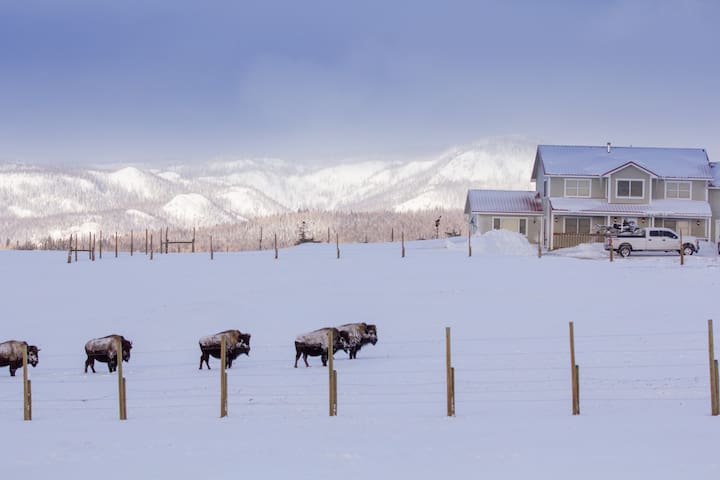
pixel 582 188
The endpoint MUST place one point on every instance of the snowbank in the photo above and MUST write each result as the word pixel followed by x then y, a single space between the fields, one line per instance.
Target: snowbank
pixel 496 242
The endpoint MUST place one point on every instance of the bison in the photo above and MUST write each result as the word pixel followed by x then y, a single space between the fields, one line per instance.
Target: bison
pixel 11 355
pixel 236 343
pixel 316 344
pixel 105 350
pixel 359 334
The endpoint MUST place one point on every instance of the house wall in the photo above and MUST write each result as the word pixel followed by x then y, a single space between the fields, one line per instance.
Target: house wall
pixel 597 187
pixel 697 189
pixel 559 226
pixel 484 223
pixel 630 173
pixel 714 200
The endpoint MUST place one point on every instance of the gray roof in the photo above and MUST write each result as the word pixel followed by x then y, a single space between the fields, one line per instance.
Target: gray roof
pixel 569 160
pixel 658 208
pixel 503 201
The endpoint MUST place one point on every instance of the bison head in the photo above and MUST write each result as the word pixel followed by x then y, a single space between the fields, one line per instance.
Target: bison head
pixel 32 355
pixel 371 333
pixel 242 347
pixel 126 346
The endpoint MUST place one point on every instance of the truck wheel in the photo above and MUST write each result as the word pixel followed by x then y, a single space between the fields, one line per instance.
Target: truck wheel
pixel 688 249
pixel 624 250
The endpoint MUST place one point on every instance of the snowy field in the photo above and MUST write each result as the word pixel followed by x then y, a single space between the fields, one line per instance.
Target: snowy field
pixel 641 344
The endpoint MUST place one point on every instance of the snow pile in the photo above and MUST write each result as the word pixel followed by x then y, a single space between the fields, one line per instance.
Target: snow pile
pixel 584 250
pixel 502 242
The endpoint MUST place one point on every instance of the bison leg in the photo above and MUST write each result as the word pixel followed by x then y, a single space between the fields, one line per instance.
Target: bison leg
pixel 297 356
pixel 12 371
pixel 90 362
pixel 205 357
pixel 228 362
pixel 112 365
pixel 324 358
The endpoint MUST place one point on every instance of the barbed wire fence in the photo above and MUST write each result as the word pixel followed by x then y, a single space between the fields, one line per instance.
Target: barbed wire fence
pixel 630 372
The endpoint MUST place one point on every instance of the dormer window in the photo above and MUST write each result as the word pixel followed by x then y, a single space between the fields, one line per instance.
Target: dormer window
pixel 577 187
pixel 677 190
pixel 630 189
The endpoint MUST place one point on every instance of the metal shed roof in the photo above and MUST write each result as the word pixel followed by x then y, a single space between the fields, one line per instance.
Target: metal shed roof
pixel 503 201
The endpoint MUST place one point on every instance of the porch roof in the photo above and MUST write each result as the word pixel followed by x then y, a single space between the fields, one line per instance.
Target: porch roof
pixel 658 208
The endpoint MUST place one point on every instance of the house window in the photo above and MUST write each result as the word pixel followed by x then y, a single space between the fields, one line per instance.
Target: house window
pixel 496 224
pixel 522 229
pixel 577 187
pixel 677 190
pixel 577 225
pixel 630 188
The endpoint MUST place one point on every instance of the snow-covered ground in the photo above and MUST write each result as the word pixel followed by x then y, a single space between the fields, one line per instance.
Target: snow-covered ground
pixel 641 344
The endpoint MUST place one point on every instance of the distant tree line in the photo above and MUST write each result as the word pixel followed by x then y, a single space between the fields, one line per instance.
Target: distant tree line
pixel 290 228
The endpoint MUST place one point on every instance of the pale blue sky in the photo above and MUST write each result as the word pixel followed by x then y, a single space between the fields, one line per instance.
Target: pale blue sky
pixel 93 81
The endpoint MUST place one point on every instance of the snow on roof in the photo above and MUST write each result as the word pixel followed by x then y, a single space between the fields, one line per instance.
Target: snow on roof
pixel 658 208
pixel 503 201
pixel 690 163
pixel 715 172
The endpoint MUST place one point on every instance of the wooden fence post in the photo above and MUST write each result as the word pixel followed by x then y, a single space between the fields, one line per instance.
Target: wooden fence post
pixel 76 247
pixel 403 244
pixel 714 400
pixel 260 239
pixel 116 245
pixel 27 399
pixel 193 241
pixel 146 241
pixel 211 248
pixel 539 242
pixel 682 255
pixel 449 375
pixel 332 378
pixel 131 242
pixel 121 380
pixel 100 247
pixel 469 244
pixel 337 244
pixel 328 235
pixel 70 250
pixel 167 241
pixel 223 377
pixel 575 375
pixel 276 249
pixel 392 235
pixel 611 248
pixel 151 246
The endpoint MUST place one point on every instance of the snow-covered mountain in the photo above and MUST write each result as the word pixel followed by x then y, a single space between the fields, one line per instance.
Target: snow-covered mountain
pixel 57 200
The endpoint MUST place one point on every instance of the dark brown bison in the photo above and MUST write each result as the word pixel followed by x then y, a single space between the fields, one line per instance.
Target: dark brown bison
pixel 11 355
pixel 316 344
pixel 236 343
pixel 359 334
pixel 105 350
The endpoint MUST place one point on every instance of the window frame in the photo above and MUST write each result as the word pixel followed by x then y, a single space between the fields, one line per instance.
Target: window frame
pixel 577 225
pixel 577 187
pixel 678 183
pixel 629 196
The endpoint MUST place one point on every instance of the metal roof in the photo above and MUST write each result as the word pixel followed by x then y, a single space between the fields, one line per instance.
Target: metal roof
pixel 503 201
pixel 658 208
pixel 570 160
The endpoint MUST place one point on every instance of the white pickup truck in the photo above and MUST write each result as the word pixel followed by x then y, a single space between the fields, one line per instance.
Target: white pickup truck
pixel 651 239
